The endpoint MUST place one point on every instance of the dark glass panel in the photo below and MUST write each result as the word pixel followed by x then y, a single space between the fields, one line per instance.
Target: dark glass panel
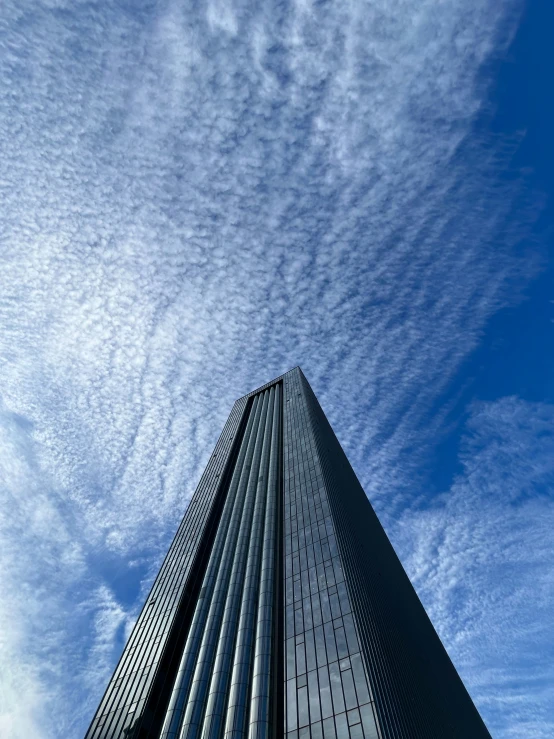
pixel 343 598
pixel 313 692
pixel 342 726
pixel 329 728
pixel 342 647
pixel 292 721
pixel 335 605
pixel 305 584
pixel 300 659
pixel 368 720
pixel 290 620
pixel 303 712
pixel 316 610
pixel 317 730
pixel 311 663
pixel 330 574
pixel 291 648
pixel 360 679
pixel 348 687
pixel 306 603
pixel 298 621
pixel 330 642
pixel 325 692
pixel 336 688
pixel 320 646
pixel 314 585
pixel 325 608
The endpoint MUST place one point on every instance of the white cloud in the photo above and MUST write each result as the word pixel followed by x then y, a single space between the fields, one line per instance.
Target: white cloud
pixel 482 560
pixel 192 204
pixel 49 600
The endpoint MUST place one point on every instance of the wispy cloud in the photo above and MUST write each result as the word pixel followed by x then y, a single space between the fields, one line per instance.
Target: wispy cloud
pixel 51 597
pixel 196 198
pixel 482 560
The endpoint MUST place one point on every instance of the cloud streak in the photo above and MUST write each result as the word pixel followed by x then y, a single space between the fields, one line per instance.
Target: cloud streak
pixel 196 198
pixel 481 558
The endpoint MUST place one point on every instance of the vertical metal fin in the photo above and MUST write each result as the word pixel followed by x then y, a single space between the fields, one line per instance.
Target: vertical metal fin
pixel 224 684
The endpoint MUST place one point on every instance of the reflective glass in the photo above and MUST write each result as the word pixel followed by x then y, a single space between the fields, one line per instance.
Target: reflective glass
pixel 316 610
pixel 298 621
pixel 307 613
pixel 342 726
pixel 351 634
pixel 291 649
pixel 303 712
pixel 300 659
pixel 310 651
pixel 336 687
pixel 313 692
pixel 335 605
pixel 360 679
pixel 325 692
pixel 325 608
pixel 329 729
pixel 292 722
pixel 342 648
pixel 330 574
pixel 317 730
pixel 330 642
pixel 368 721
pixel 353 716
pixel 320 646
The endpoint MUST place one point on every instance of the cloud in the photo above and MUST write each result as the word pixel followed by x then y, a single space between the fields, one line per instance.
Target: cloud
pixel 50 599
pixel 194 202
pixel 481 558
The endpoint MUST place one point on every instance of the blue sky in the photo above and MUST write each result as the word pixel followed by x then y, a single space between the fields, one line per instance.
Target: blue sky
pixel 197 196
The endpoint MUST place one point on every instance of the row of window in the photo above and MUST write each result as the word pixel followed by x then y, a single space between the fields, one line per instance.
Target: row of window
pixel 326 691
pixel 125 697
pixel 298 463
pixel 305 511
pixel 308 534
pixel 320 607
pixel 311 489
pixel 358 723
pixel 327 688
pixel 323 599
pixel 321 645
pixel 314 579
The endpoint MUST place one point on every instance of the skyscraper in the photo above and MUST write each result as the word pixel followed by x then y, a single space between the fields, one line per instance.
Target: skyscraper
pixel 281 608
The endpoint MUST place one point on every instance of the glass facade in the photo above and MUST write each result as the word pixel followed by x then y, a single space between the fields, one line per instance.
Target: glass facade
pixel 281 609
pixel 327 692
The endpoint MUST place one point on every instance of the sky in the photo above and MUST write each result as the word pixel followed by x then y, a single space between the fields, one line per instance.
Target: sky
pixel 198 195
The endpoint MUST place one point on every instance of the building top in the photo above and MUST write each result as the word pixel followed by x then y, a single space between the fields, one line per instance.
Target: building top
pixel 270 383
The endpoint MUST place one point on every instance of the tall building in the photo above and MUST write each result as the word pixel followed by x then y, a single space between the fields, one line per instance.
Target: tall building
pixel 281 608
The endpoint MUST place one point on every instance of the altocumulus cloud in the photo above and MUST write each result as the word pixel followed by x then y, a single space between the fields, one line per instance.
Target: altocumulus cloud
pixel 196 197
pixel 481 559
